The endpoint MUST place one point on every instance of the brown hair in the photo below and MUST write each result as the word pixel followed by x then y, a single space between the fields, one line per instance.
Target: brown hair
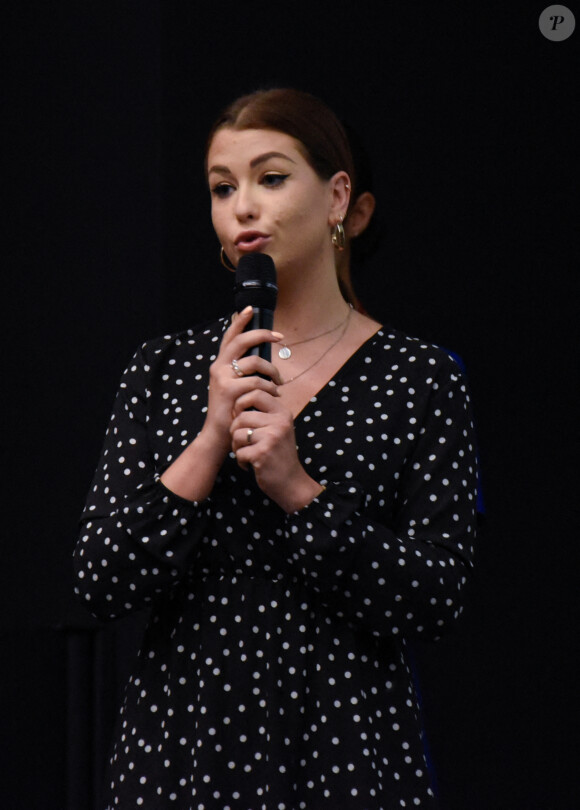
pixel 309 120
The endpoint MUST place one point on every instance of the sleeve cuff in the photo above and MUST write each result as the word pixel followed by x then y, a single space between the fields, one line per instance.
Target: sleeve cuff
pixel 333 507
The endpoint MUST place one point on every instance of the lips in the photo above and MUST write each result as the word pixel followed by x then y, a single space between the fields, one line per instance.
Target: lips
pixel 251 240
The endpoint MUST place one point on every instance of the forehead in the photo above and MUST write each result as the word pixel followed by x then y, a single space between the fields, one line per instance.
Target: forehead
pixel 231 146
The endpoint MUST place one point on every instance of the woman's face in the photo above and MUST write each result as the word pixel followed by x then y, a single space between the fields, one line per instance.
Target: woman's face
pixel 267 198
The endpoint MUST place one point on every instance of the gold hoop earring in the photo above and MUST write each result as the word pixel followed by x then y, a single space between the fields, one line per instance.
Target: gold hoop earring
pixel 224 260
pixel 338 235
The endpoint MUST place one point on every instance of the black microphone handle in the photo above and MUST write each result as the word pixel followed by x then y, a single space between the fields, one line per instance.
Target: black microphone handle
pixel 261 319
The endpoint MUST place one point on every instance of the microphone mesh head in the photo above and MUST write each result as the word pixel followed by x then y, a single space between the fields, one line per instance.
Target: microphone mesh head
pixel 255 282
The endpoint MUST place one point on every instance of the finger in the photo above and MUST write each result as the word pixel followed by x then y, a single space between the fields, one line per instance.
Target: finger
pixel 244 437
pixel 253 364
pixel 243 462
pixel 239 321
pixel 240 344
pixel 243 446
pixel 239 385
pixel 249 420
pixel 258 399
pixel 254 399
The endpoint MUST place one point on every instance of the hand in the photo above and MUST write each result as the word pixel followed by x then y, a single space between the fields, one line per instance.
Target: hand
pixel 192 475
pixel 225 387
pixel 264 438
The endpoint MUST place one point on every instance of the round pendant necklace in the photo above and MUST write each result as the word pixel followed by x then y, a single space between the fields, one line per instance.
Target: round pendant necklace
pixel 285 352
pixel 332 345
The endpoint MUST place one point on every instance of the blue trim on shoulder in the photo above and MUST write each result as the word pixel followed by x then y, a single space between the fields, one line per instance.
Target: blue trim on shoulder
pixel 480 503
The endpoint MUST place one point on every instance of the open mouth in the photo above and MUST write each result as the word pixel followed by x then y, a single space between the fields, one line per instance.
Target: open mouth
pixel 251 240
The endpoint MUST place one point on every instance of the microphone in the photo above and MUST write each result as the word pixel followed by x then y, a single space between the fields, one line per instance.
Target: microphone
pixel 256 286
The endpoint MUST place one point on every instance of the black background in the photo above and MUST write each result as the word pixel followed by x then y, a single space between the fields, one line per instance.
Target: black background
pixel 470 116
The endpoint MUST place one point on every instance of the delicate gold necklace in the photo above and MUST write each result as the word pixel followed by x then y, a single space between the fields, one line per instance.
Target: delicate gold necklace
pixel 332 345
pixel 285 352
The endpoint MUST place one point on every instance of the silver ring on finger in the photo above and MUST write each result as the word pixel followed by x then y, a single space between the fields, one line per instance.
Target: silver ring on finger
pixel 249 435
pixel 237 370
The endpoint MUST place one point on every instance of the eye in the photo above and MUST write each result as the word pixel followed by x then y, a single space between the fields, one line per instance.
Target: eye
pixel 222 190
pixel 273 179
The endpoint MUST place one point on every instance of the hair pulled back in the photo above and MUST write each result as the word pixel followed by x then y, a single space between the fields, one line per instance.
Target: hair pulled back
pixel 322 138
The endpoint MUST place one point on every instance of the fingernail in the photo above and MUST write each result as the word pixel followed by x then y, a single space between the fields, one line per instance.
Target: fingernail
pixel 277 335
pixel 247 309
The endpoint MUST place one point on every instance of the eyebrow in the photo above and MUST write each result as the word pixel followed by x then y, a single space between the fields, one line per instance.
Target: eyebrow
pixel 253 163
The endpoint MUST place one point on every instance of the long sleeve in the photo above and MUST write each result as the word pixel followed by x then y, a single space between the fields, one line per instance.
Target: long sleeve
pixel 388 545
pixel 403 574
pixel 274 660
pixel 137 537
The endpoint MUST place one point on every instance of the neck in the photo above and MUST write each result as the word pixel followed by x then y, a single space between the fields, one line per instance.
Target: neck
pixel 314 304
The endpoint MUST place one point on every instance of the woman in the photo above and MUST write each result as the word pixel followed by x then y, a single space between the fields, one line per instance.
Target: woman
pixel 290 530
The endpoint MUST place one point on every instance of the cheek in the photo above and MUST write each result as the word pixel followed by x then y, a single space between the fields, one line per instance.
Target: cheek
pixel 308 223
pixel 296 215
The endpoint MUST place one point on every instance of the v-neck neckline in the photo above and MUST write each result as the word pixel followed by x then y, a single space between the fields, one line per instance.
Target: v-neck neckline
pixel 316 396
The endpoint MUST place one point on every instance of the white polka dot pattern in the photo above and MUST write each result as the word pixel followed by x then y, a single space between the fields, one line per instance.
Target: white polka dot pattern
pixel 273 671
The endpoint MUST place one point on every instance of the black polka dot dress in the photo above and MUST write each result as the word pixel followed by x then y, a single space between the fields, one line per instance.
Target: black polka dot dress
pixel 273 671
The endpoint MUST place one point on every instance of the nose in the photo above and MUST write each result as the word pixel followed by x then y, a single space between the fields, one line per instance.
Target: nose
pixel 246 205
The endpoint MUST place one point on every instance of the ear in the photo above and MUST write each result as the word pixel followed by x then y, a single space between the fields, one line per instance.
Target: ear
pixel 340 186
pixel 360 215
